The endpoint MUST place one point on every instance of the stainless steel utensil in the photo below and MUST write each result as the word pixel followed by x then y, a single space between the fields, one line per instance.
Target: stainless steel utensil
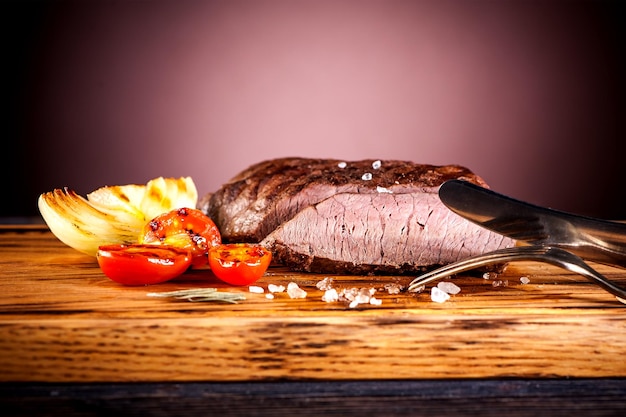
pixel 555 237
pixel 592 239
pixel 551 255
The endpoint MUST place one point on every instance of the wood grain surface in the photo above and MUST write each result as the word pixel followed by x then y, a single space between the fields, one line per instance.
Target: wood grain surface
pixel 62 320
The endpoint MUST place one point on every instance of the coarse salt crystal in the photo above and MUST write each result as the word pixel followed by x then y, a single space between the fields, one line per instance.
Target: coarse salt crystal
pixel 354 296
pixel 500 283
pixel 376 164
pixel 269 296
pixel 363 297
pixel 448 287
pixel 381 190
pixel 375 301
pixel 490 275
pixel 367 176
pixel 295 291
pixel 325 284
pixel 256 289
pixel 348 293
pixel 330 295
pixel 438 295
pixel 524 280
pixel 393 288
pixel 342 165
pixel 275 288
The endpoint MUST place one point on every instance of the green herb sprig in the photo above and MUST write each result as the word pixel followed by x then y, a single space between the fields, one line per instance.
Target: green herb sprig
pixel 201 295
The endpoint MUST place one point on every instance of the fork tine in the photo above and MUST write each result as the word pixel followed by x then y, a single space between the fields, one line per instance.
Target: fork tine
pixel 552 255
pixel 574 263
pixel 491 258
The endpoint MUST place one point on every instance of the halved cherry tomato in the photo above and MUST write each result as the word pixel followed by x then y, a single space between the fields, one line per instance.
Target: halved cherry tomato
pixel 184 228
pixel 239 263
pixel 142 264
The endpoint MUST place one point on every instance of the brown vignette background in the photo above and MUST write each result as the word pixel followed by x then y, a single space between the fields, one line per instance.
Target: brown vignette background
pixel 528 94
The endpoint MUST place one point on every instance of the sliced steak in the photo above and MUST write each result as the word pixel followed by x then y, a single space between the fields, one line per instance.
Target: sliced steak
pixel 259 199
pixel 352 233
pixel 360 217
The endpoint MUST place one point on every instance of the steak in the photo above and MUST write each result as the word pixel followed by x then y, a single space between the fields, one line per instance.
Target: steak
pixel 360 217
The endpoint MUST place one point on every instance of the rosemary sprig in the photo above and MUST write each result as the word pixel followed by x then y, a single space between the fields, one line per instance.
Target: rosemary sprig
pixel 201 295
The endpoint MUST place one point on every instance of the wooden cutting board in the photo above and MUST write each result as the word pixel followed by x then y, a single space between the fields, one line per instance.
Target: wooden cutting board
pixel 62 320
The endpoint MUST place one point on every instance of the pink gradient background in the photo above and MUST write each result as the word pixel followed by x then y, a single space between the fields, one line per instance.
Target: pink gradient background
pixel 529 95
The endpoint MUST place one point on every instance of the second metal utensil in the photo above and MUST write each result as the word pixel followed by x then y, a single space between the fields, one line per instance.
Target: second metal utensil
pixel 554 256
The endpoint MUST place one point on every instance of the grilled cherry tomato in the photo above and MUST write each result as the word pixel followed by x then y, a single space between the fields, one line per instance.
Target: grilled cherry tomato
pixel 142 264
pixel 184 228
pixel 239 263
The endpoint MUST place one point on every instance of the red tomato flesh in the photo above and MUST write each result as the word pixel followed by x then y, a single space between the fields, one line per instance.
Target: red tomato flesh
pixel 239 263
pixel 184 228
pixel 142 264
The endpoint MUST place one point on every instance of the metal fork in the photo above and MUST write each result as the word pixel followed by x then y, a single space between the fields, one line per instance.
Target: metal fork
pixel 551 255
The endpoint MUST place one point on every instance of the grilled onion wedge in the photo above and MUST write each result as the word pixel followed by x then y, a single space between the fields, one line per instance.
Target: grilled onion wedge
pixel 112 214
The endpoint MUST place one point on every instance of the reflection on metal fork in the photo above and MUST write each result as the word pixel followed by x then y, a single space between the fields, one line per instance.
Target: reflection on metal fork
pixel 551 255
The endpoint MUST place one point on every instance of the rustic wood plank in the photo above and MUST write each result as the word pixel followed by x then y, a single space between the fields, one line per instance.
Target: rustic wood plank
pixel 62 320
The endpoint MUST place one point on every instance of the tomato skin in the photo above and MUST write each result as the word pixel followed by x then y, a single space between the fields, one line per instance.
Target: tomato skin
pixel 239 263
pixel 142 264
pixel 185 228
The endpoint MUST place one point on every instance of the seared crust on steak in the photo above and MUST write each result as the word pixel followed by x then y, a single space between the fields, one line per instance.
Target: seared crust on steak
pixel 262 197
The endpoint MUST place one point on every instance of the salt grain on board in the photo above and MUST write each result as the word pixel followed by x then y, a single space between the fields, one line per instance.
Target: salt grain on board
pixel 348 294
pixel 448 287
pixel 325 284
pixel 363 296
pixel 295 291
pixel 376 164
pixel 381 190
pixel 376 301
pixel 342 165
pixel 331 295
pixel 275 288
pixel 438 295
pixel 524 280
pixel 356 296
pixel 393 288
pixel 367 176
pixel 256 289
